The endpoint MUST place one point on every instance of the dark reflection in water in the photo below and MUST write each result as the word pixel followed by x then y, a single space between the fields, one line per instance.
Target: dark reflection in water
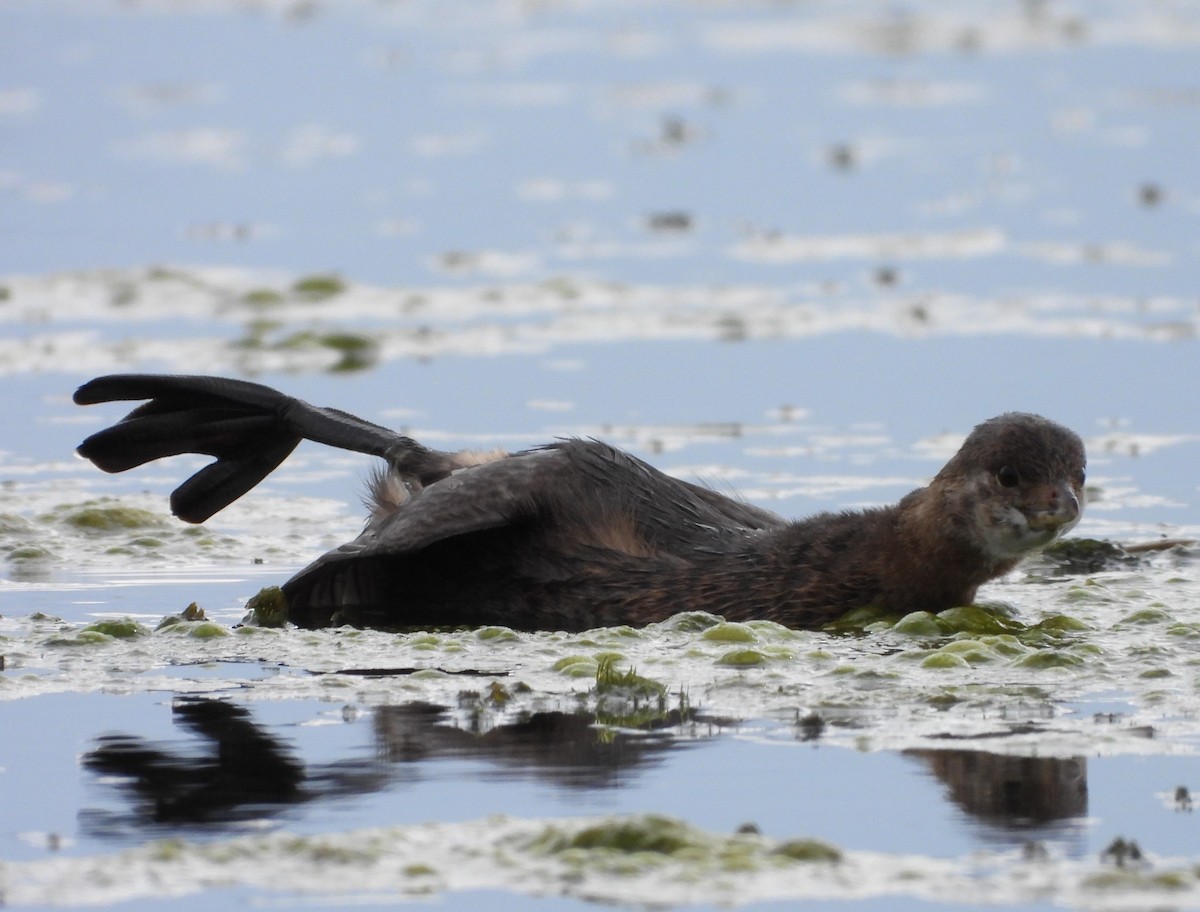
pixel 567 749
pixel 240 771
pixel 244 767
pixel 1012 792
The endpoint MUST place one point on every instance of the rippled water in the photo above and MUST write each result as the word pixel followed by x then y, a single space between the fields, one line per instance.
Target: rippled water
pixel 795 249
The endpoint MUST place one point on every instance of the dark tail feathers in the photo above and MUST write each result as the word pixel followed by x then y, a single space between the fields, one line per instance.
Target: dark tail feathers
pixel 248 427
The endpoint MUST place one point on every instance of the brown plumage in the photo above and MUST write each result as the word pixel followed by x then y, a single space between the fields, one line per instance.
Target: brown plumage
pixel 578 534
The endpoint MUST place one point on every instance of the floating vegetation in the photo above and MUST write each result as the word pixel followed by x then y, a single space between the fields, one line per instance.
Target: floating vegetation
pixel 729 632
pixel 625 699
pixel 263 297
pixel 652 833
pixel 628 846
pixel 106 515
pixel 614 861
pixel 968 621
pixel 106 630
pixel 355 351
pixel 741 658
pixel 808 850
pixel 192 622
pixel 315 288
pixel 628 683
pixel 29 554
pixel 268 608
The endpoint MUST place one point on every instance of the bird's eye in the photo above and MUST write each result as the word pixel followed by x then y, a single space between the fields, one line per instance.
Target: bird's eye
pixel 1008 476
pixel 1082 477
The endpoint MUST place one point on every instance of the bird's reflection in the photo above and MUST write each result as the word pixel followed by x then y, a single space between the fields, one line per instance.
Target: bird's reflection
pixel 567 749
pixel 239 770
pixel 240 773
pixel 1012 792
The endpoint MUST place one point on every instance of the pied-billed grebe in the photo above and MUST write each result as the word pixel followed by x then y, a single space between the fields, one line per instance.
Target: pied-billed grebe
pixel 577 534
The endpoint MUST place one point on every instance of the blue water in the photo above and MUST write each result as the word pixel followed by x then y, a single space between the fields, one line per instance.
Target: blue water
pixel 401 145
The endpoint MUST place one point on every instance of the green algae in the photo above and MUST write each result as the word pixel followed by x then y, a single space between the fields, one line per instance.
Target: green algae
pixel 945 660
pixel 919 624
pixel 352 345
pixel 628 683
pixel 268 608
pixel 973 652
pixel 106 516
pixel 355 351
pixel 103 631
pixel 1151 673
pixel 1089 592
pixel 29 554
pixel 976 619
pixel 577 666
pixel 743 658
pixel 691 621
pixel 1004 644
pixel 631 845
pixel 262 297
pixel 14 524
pixel 201 630
pixel 1148 616
pixel 807 850
pixel 322 850
pixel 1130 879
pixel 1049 658
pixel 991 627
pixel 729 632
pixel 315 288
pixel 498 694
pixel 1060 623
pixel 651 833
pixel 496 634
pixel 117 628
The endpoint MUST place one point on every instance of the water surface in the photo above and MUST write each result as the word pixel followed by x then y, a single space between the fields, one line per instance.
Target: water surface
pixel 796 250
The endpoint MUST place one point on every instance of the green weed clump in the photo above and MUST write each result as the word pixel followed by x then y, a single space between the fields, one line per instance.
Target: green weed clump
pixel 268 608
pixel 109 517
pixel 315 288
